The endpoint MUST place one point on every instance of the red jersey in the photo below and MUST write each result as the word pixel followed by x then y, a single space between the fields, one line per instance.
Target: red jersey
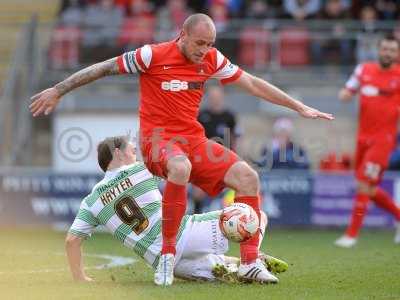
pixel 171 87
pixel 379 99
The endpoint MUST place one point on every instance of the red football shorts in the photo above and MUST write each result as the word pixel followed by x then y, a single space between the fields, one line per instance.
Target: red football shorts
pixel 372 158
pixel 210 160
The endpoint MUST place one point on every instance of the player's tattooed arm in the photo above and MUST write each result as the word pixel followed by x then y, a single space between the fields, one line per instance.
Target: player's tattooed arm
pixel 46 101
pixel 89 74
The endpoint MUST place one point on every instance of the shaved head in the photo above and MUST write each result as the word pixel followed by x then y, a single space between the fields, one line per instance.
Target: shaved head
pixel 192 21
pixel 197 37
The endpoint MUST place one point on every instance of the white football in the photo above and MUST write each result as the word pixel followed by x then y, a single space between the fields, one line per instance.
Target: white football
pixel 239 222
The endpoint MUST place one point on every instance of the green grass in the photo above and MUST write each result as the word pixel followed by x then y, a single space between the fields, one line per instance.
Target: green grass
pixel 32 266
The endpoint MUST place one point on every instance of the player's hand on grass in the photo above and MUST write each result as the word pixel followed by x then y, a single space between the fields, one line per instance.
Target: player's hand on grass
pixel 44 102
pixel 84 278
pixel 312 113
pixel 88 279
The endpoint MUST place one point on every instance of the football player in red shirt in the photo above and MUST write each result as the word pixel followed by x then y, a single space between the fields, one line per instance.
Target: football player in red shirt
pixel 378 84
pixel 173 143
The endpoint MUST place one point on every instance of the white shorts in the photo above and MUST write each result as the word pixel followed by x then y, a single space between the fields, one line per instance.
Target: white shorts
pixel 204 247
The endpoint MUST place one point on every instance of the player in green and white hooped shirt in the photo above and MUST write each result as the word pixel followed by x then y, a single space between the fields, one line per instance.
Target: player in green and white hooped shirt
pixel 128 203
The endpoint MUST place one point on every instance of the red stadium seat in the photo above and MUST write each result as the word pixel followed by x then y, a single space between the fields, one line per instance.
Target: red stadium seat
pixel 294 46
pixel 64 47
pixel 254 47
pixel 137 31
pixel 336 162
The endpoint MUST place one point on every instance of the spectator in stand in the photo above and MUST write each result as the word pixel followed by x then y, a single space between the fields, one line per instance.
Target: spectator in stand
pixel 124 5
pixel 219 123
pixel 102 22
pixel 302 9
pixel 369 37
pixel 396 34
pixel 141 8
pixel 218 11
pixel 261 9
pixel 71 13
pixel 170 18
pixel 284 153
pixel 387 9
pixel 66 37
pixel 236 8
pixel 138 28
pixel 333 42
pixel 67 3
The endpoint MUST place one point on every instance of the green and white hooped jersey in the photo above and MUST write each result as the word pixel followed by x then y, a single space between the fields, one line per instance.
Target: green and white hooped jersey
pixel 128 203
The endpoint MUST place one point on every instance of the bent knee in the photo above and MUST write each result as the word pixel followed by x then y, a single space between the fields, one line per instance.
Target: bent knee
pixel 246 180
pixel 249 178
pixel 71 239
pixel 366 188
pixel 179 168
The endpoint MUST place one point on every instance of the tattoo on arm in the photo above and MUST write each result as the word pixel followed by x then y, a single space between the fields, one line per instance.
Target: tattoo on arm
pixel 89 74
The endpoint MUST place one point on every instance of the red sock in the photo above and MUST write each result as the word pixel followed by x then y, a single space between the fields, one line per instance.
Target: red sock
pixel 173 210
pixel 357 215
pixel 383 200
pixel 249 248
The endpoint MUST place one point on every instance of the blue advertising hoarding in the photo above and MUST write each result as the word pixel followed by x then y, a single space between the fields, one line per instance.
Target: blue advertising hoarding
pixel 42 199
pixel 332 201
pixel 288 198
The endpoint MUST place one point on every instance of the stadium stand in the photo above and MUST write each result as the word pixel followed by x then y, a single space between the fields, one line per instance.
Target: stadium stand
pixel 13 15
pixel 259 35
pixel 254 40
pixel 294 46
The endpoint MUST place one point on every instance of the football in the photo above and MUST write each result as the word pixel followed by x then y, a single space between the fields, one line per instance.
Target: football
pixel 239 222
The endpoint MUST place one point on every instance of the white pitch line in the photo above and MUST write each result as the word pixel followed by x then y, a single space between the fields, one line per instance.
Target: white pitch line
pixel 114 261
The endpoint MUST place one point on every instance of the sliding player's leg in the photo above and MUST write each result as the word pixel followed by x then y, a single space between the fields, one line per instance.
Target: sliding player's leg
pixel 210 267
pixel 203 256
pixel 204 250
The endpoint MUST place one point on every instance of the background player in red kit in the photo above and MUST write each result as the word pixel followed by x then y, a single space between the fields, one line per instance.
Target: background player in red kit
pixel 173 144
pixel 378 84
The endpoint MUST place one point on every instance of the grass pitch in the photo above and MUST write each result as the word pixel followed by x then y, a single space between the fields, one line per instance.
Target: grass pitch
pixel 32 266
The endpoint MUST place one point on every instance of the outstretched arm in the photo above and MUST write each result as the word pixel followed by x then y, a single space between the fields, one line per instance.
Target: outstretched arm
pixel 74 254
pixel 46 101
pixel 352 85
pixel 262 89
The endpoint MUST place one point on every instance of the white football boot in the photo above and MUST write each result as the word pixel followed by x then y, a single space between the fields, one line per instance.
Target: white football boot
pixel 164 274
pixel 256 272
pixel 397 234
pixel 346 241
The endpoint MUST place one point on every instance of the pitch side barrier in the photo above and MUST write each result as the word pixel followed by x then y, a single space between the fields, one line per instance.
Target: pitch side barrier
pixel 41 197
